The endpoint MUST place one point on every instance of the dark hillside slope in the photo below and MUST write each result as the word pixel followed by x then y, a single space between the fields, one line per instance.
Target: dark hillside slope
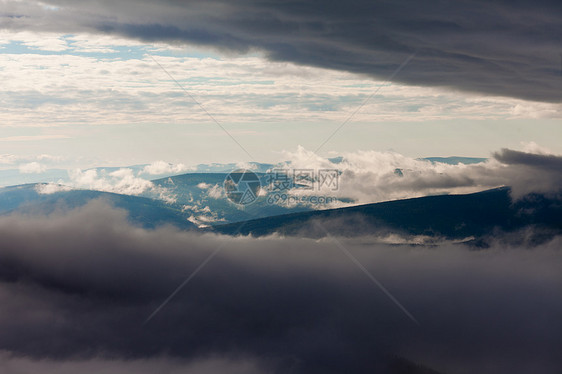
pixel 448 216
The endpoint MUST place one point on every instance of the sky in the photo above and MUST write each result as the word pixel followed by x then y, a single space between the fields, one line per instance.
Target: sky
pixel 103 83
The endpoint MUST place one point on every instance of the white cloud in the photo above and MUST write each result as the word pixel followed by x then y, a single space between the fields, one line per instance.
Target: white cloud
pixel 44 41
pixel 371 176
pixel 202 217
pixel 532 147
pixel 92 43
pixel 8 159
pixel 214 191
pixel 122 181
pixel 525 109
pixel 32 168
pixel 162 167
pixel 51 188
pixel 123 90
pixel 30 161
pixel 128 184
pixel 246 165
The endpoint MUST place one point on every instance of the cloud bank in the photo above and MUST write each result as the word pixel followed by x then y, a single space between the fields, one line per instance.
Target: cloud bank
pixel 76 288
pixel 372 176
pixel 162 167
pixel 32 168
pixel 122 181
pixel 496 48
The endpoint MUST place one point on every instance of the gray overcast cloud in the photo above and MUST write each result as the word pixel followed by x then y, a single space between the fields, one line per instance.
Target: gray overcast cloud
pixel 75 288
pixel 506 48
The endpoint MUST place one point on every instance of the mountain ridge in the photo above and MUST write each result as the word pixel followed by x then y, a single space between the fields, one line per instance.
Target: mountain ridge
pixel 452 217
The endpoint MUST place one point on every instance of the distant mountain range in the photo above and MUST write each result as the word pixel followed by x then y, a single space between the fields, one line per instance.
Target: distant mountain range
pixel 226 168
pixel 11 177
pixel 199 201
pixel 201 195
pixel 471 217
pixel 455 160
pixel 144 212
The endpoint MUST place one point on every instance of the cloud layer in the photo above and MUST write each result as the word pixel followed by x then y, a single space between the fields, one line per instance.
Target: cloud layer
pixel 371 176
pixel 76 88
pixel 497 48
pixel 76 288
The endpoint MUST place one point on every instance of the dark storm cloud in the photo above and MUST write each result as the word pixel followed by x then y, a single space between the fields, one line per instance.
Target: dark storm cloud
pixel 75 289
pixel 531 172
pixel 507 48
pixel 13 364
pixel 543 161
